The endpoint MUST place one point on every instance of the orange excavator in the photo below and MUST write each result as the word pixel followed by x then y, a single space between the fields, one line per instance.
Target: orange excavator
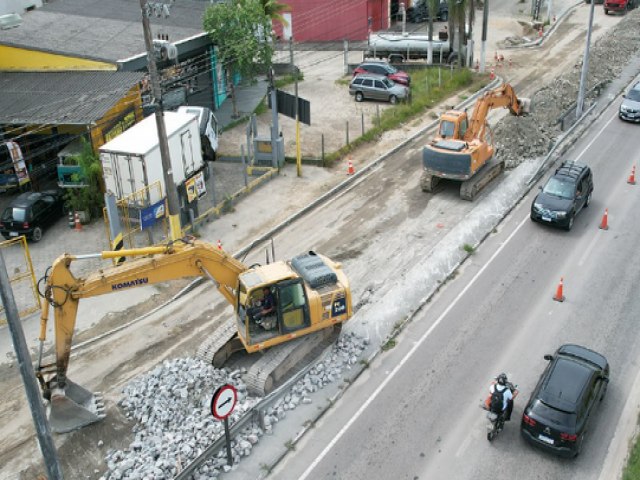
pixel 463 148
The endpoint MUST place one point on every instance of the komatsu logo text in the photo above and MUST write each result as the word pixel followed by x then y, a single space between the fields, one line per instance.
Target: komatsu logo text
pixel 131 283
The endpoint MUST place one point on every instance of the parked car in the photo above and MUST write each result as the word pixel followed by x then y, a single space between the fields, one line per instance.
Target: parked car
pixel 621 6
pixel 630 106
pixel 377 87
pixel 567 192
pixel 383 68
pixel 565 399
pixel 420 12
pixel 30 213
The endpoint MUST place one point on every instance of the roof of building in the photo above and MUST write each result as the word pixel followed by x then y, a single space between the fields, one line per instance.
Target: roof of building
pixel 101 30
pixel 67 98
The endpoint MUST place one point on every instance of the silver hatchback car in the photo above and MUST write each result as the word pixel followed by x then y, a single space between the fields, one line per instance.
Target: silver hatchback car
pixel 377 87
pixel 630 106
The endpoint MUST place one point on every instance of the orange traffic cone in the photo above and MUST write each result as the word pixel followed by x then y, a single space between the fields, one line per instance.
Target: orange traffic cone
pixel 559 297
pixel 350 169
pixel 78 224
pixel 632 177
pixel 510 63
pixel 477 66
pixel 492 75
pixel 604 225
pixel 495 56
pixel 219 245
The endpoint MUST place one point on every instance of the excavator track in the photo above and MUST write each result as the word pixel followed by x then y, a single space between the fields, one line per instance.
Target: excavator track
pixel 428 181
pixel 220 345
pixel 281 361
pixel 470 188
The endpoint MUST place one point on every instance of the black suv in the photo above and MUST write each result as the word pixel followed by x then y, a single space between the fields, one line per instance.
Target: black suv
pixel 420 12
pixel 567 192
pixel 561 406
pixel 29 213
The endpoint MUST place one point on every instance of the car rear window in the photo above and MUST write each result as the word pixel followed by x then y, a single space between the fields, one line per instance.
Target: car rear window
pixel 17 214
pixel 554 417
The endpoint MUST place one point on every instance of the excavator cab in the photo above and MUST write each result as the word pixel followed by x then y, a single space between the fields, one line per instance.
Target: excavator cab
pixel 273 310
pixel 453 125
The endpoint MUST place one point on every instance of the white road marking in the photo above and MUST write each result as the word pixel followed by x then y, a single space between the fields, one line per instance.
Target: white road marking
pixel 409 354
pixel 595 138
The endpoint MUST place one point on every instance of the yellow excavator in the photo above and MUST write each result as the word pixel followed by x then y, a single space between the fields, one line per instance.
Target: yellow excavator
pixel 309 297
pixel 463 148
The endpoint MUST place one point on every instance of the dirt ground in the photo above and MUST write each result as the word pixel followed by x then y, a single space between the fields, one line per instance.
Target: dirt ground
pixel 107 365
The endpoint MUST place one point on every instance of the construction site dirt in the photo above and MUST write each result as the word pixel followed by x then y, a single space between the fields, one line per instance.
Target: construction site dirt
pixel 382 216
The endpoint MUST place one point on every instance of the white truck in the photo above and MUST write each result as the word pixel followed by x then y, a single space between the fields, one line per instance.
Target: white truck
pixel 399 47
pixel 132 160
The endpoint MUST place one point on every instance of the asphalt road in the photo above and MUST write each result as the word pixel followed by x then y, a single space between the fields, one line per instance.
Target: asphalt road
pixel 416 415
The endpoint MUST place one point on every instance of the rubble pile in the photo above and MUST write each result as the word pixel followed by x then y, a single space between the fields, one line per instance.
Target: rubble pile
pixel 521 138
pixel 171 407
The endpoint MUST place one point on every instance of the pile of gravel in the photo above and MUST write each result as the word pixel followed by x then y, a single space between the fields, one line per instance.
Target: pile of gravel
pixel 171 408
pixel 521 138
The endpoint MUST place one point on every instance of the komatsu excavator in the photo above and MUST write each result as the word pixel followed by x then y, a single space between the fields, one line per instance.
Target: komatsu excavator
pixel 310 296
pixel 463 149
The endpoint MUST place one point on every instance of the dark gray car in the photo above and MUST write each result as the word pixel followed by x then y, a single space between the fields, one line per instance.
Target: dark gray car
pixel 377 87
pixel 630 106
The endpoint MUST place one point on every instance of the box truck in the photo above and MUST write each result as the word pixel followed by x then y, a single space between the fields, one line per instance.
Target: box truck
pixel 132 160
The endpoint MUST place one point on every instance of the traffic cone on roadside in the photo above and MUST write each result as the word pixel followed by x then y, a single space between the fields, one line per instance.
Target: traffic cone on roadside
pixel 604 225
pixel 495 56
pixel 559 297
pixel 632 177
pixel 350 169
pixel 492 75
pixel 78 224
pixel 540 31
pixel 219 245
pixel 510 63
pixel 477 66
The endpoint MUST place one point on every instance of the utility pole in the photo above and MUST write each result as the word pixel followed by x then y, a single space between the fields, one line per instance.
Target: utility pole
pixel 585 66
pixel 172 193
pixel 47 447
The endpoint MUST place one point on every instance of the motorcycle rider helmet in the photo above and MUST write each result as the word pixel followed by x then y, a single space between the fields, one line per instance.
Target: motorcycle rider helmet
pixel 502 379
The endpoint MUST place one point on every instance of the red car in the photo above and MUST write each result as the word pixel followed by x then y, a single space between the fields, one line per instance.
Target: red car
pixel 618 6
pixel 383 68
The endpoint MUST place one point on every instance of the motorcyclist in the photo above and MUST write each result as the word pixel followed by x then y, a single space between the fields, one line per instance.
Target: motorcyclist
pixel 502 385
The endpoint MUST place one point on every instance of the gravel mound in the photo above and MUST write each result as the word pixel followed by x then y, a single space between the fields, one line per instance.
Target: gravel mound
pixel 171 407
pixel 521 138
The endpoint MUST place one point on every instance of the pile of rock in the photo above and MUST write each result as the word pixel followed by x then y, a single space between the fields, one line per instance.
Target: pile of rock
pixel 521 138
pixel 171 408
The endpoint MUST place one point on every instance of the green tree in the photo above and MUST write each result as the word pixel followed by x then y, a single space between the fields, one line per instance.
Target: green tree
pixel 88 198
pixel 274 10
pixel 242 34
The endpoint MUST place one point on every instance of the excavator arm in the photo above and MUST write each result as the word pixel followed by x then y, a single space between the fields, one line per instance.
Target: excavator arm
pixel 503 96
pixel 63 292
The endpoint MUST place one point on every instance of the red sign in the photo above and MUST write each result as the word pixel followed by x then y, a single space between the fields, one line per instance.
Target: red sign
pixel 224 401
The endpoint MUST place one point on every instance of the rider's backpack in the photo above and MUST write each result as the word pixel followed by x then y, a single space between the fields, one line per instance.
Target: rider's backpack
pixel 497 400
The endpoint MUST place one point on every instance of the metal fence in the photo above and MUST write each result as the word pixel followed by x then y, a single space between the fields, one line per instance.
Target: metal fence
pixel 23 281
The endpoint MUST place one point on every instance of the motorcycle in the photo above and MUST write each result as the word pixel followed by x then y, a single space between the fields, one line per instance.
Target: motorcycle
pixel 496 420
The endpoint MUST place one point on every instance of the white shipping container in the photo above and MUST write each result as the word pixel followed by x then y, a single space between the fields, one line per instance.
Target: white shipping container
pixel 132 160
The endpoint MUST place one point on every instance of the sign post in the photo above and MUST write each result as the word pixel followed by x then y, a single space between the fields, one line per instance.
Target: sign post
pixel 222 405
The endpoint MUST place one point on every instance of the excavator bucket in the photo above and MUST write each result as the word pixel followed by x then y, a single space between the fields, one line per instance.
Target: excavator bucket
pixel 525 105
pixel 74 408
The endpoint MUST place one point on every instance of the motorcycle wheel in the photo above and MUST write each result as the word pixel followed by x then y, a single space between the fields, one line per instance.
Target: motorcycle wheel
pixel 491 436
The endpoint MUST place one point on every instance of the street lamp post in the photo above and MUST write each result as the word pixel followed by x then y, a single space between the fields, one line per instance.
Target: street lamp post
pixel 585 66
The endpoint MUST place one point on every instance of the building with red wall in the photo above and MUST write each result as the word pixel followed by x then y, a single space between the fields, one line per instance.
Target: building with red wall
pixel 334 20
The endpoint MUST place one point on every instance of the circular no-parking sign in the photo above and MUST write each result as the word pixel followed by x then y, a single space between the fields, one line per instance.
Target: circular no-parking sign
pixel 224 401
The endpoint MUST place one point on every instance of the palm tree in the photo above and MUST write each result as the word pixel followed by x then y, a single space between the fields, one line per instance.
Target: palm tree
pixel 274 10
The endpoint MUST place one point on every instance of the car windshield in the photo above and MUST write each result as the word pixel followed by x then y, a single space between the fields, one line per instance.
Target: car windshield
pixel 559 188
pixel 388 83
pixel 634 95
